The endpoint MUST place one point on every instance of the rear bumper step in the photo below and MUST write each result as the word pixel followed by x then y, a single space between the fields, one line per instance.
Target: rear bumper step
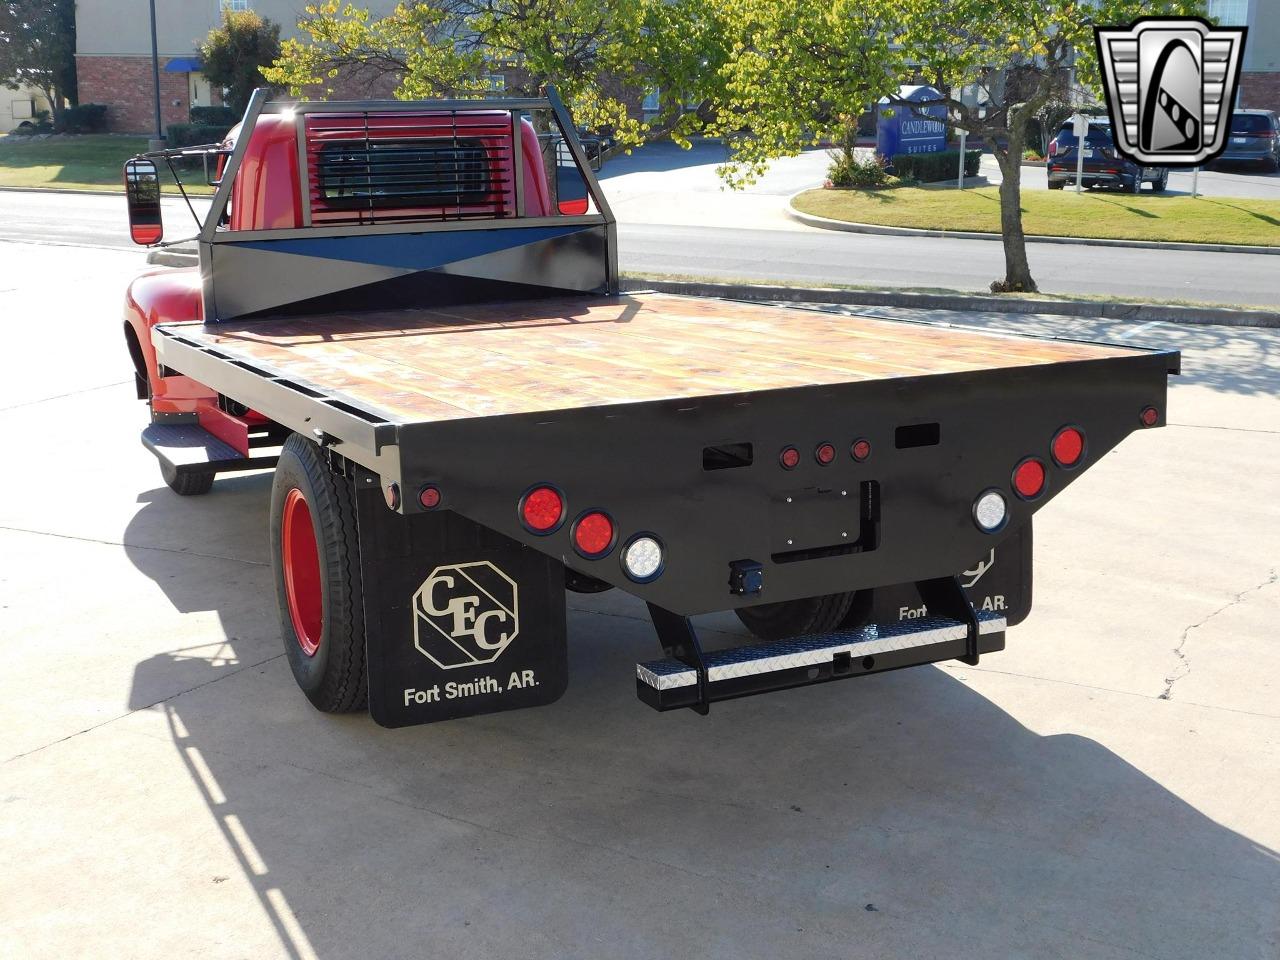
pixel 742 671
pixel 189 448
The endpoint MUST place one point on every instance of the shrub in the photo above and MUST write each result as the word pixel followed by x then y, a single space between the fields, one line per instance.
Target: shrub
pixel 931 167
pixel 195 134
pixel 86 118
pixel 850 169
pixel 214 116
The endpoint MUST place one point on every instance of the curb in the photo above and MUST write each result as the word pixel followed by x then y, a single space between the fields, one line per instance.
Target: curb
pixel 174 257
pixel 1138 312
pixel 80 193
pixel 847 226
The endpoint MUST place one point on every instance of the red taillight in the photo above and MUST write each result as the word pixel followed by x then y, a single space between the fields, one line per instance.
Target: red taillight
pixel 789 458
pixel 429 497
pixel 1149 416
pixel 1053 147
pixel 825 453
pixel 542 509
pixel 1028 478
pixel 1067 447
pixel 860 450
pixel 593 534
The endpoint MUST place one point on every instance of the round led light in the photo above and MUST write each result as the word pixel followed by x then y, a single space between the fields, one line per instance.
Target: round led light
pixel 542 509
pixel 1029 478
pixel 429 497
pixel 990 511
pixel 593 534
pixel 860 450
pixel 642 558
pixel 1149 416
pixel 825 453
pixel 789 458
pixel 1068 447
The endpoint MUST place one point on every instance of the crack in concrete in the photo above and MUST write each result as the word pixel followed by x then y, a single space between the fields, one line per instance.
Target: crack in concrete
pixel 133 546
pixel 1183 665
pixel 128 713
pixel 63 396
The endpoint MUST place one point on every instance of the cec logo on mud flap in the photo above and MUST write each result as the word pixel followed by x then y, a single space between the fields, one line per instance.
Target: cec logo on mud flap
pixel 465 614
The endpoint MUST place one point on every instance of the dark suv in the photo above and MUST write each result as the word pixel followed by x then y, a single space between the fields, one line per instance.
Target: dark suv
pixel 1103 166
pixel 1254 138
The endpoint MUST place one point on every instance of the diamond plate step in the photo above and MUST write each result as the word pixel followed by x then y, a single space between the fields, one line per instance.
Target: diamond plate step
pixel 741 671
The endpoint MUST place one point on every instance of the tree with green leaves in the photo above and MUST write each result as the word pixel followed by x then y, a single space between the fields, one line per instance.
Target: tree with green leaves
pixel 599 53
pixel 235 51
pixel 38 48
pixel 798 73
pixel 1019 56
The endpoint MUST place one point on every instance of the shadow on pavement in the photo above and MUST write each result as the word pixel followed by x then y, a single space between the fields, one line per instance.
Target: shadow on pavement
pixel 899 815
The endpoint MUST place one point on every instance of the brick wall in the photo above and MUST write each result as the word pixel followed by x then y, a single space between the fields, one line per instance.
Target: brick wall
pixel 1260 91
pixel 125 85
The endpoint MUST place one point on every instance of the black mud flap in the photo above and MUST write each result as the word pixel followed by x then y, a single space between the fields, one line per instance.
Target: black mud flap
pixel 999 583
pixel 459 620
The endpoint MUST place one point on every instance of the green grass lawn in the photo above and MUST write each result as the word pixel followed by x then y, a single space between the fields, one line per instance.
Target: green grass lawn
pixel 1144 216
pixel 91 162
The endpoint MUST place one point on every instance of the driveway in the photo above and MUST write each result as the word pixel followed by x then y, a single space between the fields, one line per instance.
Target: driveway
pixel 1105 788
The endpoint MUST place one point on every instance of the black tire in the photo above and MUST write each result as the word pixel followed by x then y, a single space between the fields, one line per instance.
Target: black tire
pixel 1271 165
pixel 1136 185
pixel 797 618
pixel 186 484
pixel 1058 185
pixel 333 676
pixel 1161 185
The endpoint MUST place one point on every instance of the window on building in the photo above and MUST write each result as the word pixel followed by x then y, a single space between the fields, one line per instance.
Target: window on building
pixel 232 5
pixel 652 102
pixel 1228 13
pixel 497 82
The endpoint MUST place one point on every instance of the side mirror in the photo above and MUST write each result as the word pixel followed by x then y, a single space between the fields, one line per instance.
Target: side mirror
pixel 142 193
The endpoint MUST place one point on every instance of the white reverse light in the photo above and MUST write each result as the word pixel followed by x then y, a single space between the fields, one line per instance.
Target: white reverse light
pixel 990 511
pixel 642 558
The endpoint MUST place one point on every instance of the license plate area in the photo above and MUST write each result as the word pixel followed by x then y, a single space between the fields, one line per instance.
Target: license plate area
pixel 809 523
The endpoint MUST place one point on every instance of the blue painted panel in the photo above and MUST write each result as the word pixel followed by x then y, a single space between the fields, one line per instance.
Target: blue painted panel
pixel 411 251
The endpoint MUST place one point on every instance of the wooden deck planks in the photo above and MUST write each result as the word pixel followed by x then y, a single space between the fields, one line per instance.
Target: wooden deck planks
pixel 535 355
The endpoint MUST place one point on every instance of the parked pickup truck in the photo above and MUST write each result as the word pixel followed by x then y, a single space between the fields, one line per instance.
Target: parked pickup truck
pixel 411 311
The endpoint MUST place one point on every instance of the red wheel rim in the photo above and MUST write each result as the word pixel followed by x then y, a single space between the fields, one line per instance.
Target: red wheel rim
pixel 301 561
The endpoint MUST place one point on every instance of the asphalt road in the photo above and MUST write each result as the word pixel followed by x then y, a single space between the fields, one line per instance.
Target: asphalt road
pixel 1107 788
pixel 664 214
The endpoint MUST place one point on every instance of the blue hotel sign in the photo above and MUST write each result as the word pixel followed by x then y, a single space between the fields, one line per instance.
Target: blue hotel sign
pixel 906 130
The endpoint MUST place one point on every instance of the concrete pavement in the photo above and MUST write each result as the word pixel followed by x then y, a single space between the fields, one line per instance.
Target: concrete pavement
pixel 1108 787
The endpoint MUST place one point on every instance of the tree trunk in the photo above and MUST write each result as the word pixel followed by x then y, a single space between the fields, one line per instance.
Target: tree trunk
pixel 1017 272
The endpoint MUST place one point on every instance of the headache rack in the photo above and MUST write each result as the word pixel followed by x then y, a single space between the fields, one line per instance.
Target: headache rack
pixel 409 203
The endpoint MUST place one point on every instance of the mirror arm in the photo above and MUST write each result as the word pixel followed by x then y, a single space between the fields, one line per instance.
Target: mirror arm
pixel 168 162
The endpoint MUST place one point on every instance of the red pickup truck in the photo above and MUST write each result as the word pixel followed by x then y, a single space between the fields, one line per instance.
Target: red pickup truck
pixel 411 311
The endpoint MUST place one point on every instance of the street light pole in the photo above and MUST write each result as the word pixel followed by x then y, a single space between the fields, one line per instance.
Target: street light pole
pixel 158 142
